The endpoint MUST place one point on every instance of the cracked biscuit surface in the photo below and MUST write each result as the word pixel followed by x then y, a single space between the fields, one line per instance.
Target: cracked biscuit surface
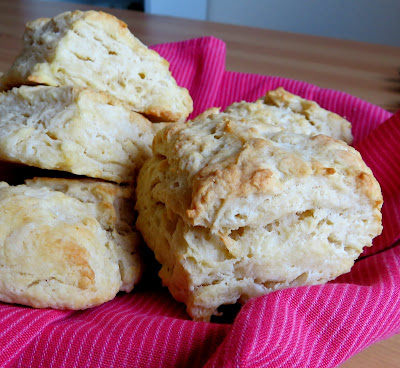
pixel 67 244
pixel 76 130
pixel 293 113
pixel 237 208
pixel 96 50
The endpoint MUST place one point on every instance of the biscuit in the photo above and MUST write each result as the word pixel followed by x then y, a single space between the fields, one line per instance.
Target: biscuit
pixel 235 209
pixel 67 244
pixel 73 130
pixel 293 113
pixel 96 50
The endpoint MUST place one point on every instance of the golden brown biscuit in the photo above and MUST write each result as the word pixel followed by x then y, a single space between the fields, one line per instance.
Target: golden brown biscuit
pixel 74 130
pixel 67 244
pixel 96 50
pixel 235 209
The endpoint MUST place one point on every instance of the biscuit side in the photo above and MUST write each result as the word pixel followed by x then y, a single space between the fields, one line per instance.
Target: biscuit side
pixel 112 206
pixel 54 251
pixel 74 130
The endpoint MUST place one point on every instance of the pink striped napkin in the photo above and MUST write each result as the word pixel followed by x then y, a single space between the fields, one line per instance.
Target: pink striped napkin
pixel 317 326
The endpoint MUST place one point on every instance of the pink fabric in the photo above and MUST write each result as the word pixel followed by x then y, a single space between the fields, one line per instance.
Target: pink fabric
pixel 317 326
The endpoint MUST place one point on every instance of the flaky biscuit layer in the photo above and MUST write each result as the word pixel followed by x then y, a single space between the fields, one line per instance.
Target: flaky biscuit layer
pixel 76 130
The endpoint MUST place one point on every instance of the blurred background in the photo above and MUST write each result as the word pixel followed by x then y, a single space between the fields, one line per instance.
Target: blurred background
pixel 376 21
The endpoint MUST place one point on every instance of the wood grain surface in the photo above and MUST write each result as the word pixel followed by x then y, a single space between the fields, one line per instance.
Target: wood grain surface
pixel 368 71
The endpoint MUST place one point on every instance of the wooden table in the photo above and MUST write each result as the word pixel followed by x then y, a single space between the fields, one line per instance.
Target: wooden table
pixel 368 71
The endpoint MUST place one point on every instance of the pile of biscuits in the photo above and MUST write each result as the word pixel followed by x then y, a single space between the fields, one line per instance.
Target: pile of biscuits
pixel 234 204
pixel 80 98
